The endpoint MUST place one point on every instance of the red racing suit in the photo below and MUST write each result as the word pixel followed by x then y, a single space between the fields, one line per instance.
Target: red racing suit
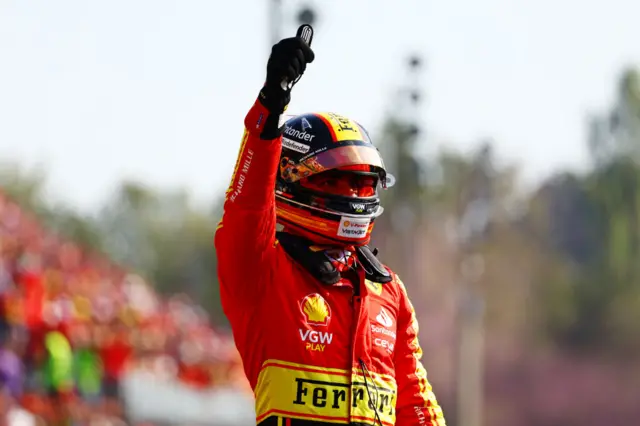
pixel 313 353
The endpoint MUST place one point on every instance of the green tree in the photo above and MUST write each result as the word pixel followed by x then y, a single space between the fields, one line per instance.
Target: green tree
pixel 27 187
pixel 593 221
pixel 616 133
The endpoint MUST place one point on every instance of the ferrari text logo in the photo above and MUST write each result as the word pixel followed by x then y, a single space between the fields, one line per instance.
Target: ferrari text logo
pixel 316 341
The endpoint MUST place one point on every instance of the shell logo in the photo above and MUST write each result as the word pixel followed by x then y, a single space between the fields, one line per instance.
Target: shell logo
pixel 316 310
pixel 346 223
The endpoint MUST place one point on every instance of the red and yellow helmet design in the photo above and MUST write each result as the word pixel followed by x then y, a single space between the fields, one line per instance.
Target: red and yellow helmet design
pixel 328 180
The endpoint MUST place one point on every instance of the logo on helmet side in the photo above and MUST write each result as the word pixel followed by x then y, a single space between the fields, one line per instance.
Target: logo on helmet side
pixel 358 207
pixel 344 124
pixel 295 146
pixel 301 135
pixel 342 128
pixel 305 124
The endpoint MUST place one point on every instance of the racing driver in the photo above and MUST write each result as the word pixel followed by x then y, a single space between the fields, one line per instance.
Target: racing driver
pixel 326 332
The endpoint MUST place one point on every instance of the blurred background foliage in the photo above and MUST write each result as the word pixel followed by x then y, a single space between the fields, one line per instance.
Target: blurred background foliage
pixel 556 267
pixel 579 231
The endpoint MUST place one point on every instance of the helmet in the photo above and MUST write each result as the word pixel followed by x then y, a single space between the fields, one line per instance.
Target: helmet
pixel 328 179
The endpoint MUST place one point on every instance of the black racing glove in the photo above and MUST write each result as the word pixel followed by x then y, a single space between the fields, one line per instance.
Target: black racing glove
pixel 288 61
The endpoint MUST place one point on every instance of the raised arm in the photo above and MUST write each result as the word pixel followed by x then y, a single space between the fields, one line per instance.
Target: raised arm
pixel 245 237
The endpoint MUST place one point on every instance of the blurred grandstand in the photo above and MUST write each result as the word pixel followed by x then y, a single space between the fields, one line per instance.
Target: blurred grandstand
pixel 81 337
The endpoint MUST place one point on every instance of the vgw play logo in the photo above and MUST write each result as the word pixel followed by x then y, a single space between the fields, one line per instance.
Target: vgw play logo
pixel 316 313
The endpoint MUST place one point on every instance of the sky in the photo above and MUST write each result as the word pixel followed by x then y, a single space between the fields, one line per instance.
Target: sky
pixel 157 90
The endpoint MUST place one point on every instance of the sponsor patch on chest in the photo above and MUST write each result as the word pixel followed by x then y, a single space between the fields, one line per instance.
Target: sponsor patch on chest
pixel 383 328
pixel 316 314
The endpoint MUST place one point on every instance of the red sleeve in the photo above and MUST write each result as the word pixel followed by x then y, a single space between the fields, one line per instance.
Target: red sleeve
pixel 246 234
pixel 416 404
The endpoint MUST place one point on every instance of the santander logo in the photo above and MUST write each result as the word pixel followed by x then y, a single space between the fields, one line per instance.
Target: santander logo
pixel 384 318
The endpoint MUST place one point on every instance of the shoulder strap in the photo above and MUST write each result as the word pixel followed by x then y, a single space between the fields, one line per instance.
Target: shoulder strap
pixel 374 270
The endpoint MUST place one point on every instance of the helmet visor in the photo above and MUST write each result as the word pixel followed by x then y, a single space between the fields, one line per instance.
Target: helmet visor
pixel 343 183
pixel 331 159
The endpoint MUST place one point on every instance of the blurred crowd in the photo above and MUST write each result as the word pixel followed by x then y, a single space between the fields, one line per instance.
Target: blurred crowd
pixel 72 324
